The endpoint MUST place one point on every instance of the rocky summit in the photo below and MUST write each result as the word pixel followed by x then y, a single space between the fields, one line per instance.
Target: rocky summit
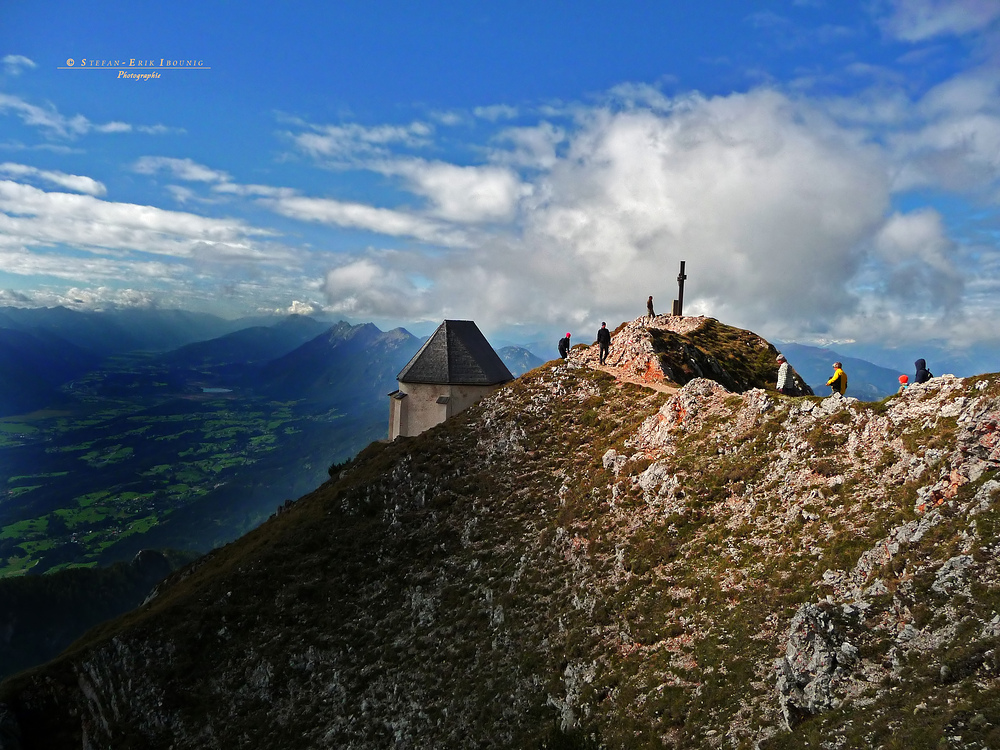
pixel 583 562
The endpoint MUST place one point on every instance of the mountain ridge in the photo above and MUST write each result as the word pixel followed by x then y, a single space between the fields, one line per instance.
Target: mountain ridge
pixel 581 562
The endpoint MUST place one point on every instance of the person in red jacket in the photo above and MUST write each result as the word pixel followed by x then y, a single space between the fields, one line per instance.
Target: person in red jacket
pixel 564 346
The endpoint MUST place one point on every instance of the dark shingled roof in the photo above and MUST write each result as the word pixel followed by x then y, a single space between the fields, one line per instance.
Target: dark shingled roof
pixel 456 353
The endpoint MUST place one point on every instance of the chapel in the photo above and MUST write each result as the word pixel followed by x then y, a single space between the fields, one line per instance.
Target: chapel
pixel 454 368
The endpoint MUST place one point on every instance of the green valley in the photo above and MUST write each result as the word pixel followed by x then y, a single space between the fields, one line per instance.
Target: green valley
pixel 142 445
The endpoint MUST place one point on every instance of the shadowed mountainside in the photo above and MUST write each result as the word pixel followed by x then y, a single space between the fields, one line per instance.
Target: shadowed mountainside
pixel 33 365
pixel 42 615
pixel 350 367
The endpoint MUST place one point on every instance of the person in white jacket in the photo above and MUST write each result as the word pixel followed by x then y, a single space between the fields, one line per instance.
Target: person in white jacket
pixel 786 383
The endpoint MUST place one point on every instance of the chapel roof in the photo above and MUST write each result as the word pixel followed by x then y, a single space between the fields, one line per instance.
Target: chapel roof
pixel 456 353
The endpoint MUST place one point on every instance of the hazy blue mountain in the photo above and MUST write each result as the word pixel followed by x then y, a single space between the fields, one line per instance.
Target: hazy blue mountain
pixel 33 365
pixel 254 345
pixel 95 332
pixel 519 360
pixel 866 381
pixel 347 367
pixel 117 331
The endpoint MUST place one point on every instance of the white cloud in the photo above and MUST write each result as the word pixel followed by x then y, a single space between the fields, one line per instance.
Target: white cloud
pixel 461 194
pixel 363 285
pixel 299 307
pixel 182 169
pixel 31 218
pixel 496 112
pixel 84 268
pixel 533 147
pixel 73 182
pixel 954 139
pixel 345 143
pixel 191 171
pixel 769 201
pixel 265 191
pixel 918 20
pixel 50 120
pixel 360 216
pixel 918 264
pixel 15 64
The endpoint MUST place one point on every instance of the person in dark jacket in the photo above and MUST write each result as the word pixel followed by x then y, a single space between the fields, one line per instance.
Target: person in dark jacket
pixel 923 374
pixel 604 339
pixel 564 346
pixel 649 307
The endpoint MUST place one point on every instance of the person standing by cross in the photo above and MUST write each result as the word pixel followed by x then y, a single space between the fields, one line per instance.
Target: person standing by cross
pixel 649 308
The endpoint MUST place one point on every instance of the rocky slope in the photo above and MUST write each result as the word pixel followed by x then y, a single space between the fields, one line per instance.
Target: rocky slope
pixel 580 562
pixel 679 349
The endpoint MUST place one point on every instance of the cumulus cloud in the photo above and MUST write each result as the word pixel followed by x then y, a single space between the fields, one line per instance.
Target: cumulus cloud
pixel 529 147
pixel 461 194
pixel 299 307
pixel 367 284
pixel 77 183
pixel 768 201
pixel 918 262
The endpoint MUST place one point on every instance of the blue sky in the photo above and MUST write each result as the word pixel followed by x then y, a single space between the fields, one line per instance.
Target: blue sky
pixel 830 171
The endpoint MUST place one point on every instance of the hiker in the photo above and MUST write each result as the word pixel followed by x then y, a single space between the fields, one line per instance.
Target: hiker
pixel 649 307
pixel 604 339
pixel 838 383
pixel 564 346
pixel 786 382
pixel 923 374
pixel 903 382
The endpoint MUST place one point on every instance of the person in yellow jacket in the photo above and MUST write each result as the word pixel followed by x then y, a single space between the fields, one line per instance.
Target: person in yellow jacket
pixel 838 383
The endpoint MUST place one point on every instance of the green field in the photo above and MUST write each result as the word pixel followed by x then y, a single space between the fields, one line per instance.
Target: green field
pixel 74 485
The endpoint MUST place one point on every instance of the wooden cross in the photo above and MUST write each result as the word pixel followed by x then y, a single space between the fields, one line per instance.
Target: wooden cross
pixel 679 302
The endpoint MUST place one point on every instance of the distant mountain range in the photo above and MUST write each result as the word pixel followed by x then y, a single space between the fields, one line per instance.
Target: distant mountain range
pixel 117 331
pixel 248 346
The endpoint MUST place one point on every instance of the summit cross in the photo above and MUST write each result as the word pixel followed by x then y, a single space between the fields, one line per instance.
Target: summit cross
pixel 679 302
